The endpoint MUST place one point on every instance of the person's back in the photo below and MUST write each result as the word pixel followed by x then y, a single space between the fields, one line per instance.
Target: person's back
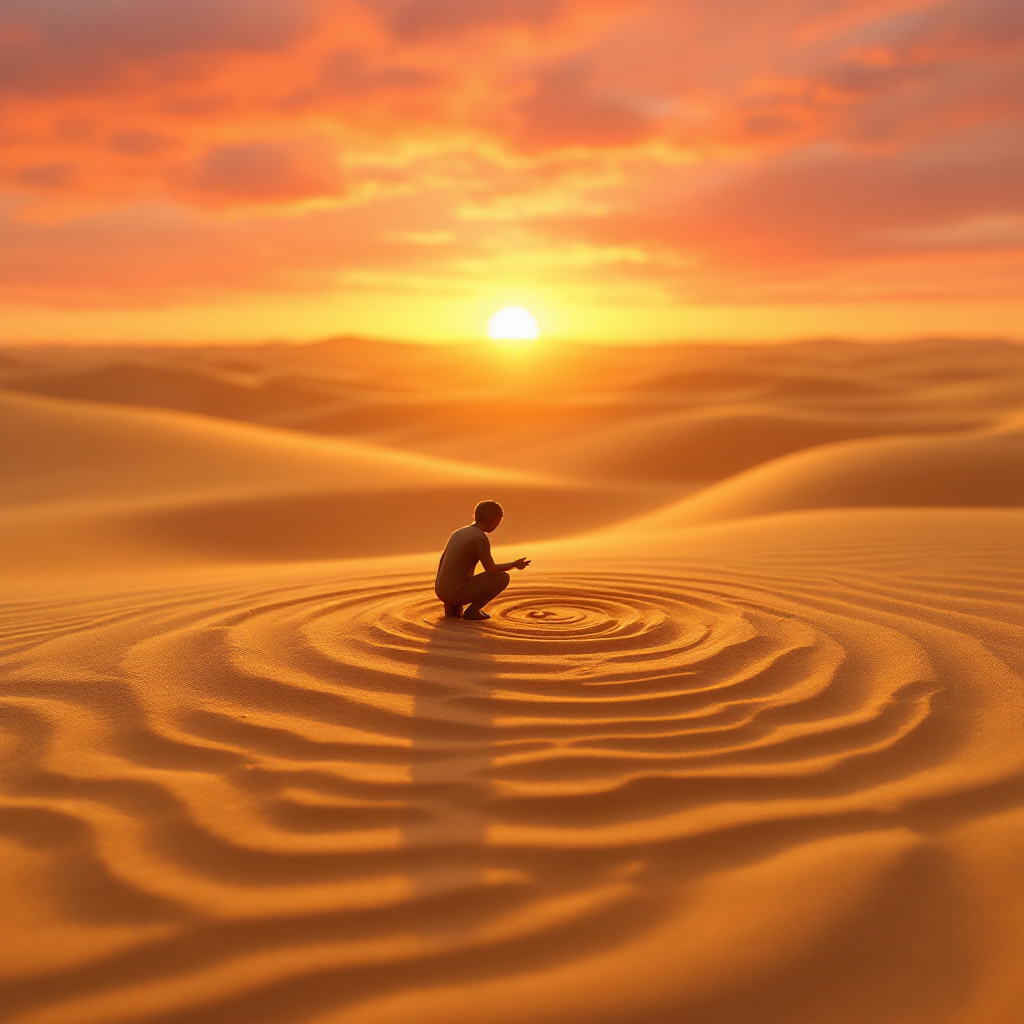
pixel 455 585
pixel 462 554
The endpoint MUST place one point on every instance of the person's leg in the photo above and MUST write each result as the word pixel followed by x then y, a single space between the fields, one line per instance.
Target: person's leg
pixel 452 606
pixel 481 589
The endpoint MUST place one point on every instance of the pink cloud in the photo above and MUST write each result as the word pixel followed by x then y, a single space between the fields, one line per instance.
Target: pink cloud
pixel 264 173
pixel 772 220
pixel 565 109
pixel 427 18
pixel 745 144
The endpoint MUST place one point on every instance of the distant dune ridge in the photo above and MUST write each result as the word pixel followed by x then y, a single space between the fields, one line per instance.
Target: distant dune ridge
pixel 91 483
pixel 744 744
pixel 984 469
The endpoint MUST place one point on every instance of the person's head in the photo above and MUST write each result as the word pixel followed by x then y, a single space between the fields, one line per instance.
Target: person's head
pixel 487 515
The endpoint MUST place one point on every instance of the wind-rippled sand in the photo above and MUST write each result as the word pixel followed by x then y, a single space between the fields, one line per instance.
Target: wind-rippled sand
pixel 764 771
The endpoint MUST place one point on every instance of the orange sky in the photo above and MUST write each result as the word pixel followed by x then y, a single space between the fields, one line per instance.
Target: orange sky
pixel 630 170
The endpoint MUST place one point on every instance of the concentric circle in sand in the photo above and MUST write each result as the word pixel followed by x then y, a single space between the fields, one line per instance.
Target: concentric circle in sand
pixel 337 767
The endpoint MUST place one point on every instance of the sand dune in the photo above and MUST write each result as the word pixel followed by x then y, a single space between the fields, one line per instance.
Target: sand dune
pixel 710 444
pixel 214 390
pixel 748 756
pixel 85 450
pixel 89 485
pixel 984 469
pixel 666 414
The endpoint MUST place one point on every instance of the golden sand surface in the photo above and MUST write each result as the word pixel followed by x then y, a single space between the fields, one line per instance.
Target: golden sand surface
pixel 744 745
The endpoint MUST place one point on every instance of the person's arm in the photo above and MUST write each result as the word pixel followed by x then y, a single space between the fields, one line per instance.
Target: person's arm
pixel 487 559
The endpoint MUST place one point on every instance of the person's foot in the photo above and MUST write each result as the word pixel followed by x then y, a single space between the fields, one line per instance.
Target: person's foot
pixel 453 611
pixel 475 615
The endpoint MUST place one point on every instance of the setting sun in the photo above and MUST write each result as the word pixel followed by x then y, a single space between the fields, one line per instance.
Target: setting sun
pixel 513 323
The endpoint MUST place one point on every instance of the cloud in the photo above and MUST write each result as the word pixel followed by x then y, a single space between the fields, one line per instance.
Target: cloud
pixel 61 45
pixel 424 18
pixel 148 256
pixel 564 109
pixel 264 173
pixel 773 219
pixel 348 73
pixel 760 144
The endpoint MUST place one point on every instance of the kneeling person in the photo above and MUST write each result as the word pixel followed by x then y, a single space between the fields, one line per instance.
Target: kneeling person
pixel 455 584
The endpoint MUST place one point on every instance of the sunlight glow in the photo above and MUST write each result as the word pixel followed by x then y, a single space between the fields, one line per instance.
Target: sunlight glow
pixel 513 323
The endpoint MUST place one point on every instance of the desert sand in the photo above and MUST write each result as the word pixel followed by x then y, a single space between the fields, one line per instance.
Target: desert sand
pixel 744 745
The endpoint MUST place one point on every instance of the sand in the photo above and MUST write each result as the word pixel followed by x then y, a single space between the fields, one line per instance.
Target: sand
pixel 742 746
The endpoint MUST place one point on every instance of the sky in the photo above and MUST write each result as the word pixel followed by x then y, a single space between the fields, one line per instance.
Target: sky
pixel 629 170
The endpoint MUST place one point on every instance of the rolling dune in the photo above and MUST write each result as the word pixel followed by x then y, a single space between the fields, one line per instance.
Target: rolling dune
pixel 74 451
pixel 983 469
pixel 705 446
pixel 748 754
pixel 695 412
pixel 91 486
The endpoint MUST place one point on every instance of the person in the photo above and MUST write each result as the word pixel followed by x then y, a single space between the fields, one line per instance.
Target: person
pixel 455 584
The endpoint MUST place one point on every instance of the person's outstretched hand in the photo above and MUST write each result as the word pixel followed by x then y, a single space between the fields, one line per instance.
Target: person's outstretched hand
pixel 521 563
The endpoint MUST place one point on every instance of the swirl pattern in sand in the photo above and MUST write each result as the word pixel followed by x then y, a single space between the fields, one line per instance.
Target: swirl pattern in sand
pixel 283 802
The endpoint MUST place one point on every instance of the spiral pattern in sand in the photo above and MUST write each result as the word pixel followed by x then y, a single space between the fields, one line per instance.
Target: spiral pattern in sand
pixel 297 797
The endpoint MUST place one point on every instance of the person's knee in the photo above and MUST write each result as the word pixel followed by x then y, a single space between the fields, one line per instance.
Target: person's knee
pixel 502 579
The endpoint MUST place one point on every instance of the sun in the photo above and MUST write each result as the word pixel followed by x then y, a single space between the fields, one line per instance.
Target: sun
pixel 513 323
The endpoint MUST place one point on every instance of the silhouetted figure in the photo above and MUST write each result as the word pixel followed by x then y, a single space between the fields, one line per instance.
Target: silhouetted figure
pixel 456 585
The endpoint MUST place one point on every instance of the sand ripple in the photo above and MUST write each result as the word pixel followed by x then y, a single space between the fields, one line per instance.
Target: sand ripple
pixel 293 798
